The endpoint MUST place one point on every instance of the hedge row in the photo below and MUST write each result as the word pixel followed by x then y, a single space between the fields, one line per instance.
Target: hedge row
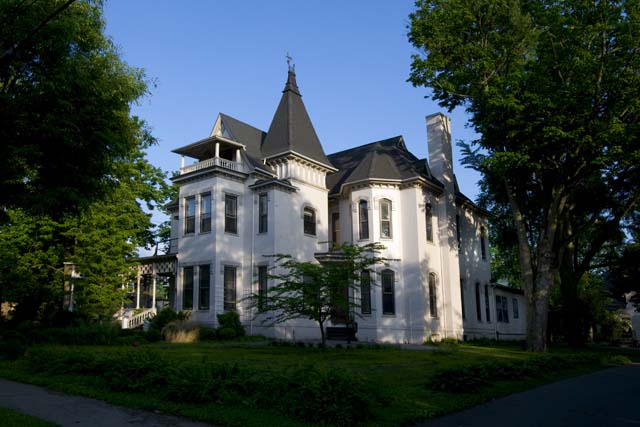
pixel 470 378
pixel 314 395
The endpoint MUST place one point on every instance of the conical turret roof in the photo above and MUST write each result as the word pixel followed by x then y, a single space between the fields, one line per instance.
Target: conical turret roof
pixel 291 129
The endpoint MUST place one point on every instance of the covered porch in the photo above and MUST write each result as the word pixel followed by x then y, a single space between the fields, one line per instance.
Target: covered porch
pixel 154 288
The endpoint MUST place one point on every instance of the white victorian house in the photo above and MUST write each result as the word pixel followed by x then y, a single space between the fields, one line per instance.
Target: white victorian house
pixel 250 193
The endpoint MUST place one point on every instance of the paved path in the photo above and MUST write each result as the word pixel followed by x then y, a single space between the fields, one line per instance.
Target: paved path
pixel 605 398
pixel 77 411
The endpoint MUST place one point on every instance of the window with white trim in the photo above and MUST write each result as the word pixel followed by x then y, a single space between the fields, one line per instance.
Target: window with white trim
pixel 386 231
pixel 309 219
pixel 363 219
pixel 388 292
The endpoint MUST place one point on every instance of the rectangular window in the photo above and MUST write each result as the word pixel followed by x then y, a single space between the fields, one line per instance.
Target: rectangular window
pixel 263 278
pixel 502 309
pixel 464 314
pixel 365 292
pixel 483 244
pixel 263 216
pixel 189 215
pixel 458 233
pixel 478 310
pixel 516 312
pixel 187 288
pixel 429 221
pixel 388 293
pixel 205 212
pixel 309 221
pixel 335 228
pixel 385 219
pixel 230 214
pixel 486 303
pixel 433 297
pixel 363 215
pixel 229 288
pixel 204 286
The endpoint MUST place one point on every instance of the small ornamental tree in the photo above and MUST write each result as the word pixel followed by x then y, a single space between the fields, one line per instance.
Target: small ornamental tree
pixel 318 291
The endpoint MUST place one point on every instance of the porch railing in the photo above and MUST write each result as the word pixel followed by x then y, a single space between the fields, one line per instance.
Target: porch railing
pixel 137 320
pixel 215 161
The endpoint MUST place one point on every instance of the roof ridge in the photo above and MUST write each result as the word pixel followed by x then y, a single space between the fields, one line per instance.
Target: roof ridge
pixel 238 120
pixel 367 144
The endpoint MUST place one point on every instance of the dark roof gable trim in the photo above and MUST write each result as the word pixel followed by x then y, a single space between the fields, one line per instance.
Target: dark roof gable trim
pixel 265 184
pixel 290 153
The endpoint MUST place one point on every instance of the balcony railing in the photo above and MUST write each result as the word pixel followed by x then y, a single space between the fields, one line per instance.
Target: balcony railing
pixel 215 161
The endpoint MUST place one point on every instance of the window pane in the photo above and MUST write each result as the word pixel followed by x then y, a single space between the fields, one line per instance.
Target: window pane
pixel 478 311
pixel 499 309
pixel 230 214
pixel 516 313
pixel 433 300
pixel 483 247
pixel 364 219
pixel 205 212
pixel 190 215
pixel 187 288
pixel 262 287
pixel 229 288
pixel 429 221
pixel 262 214
pixel 486 303
pixel 204 282
pixel 309 221
pixel 385 219
pixel 365 292
pixel 388 293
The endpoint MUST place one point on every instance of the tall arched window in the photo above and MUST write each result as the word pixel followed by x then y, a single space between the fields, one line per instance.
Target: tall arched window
pixel 388 292
pixel 428 213
pixel 433 297
pixel 478 311
pixel 363 219
pixel 309 221
pixel 385 219
pixel 483 242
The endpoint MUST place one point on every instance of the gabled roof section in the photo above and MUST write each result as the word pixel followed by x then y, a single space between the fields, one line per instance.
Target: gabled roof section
pixel 388 159
pixel 244 133
pixel 291 129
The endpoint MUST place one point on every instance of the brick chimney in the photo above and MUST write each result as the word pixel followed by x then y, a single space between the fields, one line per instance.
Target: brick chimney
pixel 440 152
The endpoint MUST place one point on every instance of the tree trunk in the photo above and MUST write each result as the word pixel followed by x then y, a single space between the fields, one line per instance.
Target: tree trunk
pixel 537 277
pixel 322 334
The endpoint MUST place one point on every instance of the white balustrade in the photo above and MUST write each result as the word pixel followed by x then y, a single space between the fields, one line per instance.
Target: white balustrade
pixel 216 161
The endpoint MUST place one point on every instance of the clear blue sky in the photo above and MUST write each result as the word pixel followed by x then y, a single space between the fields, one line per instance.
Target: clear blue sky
pixel 352 61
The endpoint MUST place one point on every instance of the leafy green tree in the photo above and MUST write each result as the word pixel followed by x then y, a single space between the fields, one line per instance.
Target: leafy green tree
pixel 65 98
pixel 316 291
pixel 552 89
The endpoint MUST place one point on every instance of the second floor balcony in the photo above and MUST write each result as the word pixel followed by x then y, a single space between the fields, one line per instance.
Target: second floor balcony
pixel 212 152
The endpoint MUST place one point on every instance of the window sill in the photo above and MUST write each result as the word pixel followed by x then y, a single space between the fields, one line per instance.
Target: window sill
pixel 188 234
pixel 231 234
pixel 205 232
pixel 388 315
pixel 315 236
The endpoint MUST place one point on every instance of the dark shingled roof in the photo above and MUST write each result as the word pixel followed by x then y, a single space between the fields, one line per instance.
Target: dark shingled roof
pixel 250 136
pixel 388 159
pixel 291 128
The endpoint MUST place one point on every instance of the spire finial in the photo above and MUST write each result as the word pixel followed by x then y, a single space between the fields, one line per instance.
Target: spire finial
pixel 290 64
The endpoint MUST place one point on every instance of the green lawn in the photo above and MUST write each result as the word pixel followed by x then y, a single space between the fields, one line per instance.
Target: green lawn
pixel 399 375
pixel 11 418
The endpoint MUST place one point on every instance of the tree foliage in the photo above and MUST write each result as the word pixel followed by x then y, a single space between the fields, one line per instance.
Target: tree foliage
pixel 316 291
pixel 552 89
pixel 75 182
pixel 65 98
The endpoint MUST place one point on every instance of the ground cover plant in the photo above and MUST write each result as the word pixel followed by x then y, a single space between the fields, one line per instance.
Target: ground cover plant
pixel 231 383
pixel 11 418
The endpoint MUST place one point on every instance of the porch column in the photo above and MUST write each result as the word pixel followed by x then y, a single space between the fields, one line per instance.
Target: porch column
pixel 217 149
pixel 138 289
pixel 238 158
pixel 181 162
pixel 153 292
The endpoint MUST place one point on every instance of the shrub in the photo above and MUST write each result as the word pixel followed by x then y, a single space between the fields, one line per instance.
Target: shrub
pixel 12 345
pixel 231 319
pixel 470 378
pixel 161 319
pixel 618 359
pixel 181 331
pixel 226 333
pixel 207 334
